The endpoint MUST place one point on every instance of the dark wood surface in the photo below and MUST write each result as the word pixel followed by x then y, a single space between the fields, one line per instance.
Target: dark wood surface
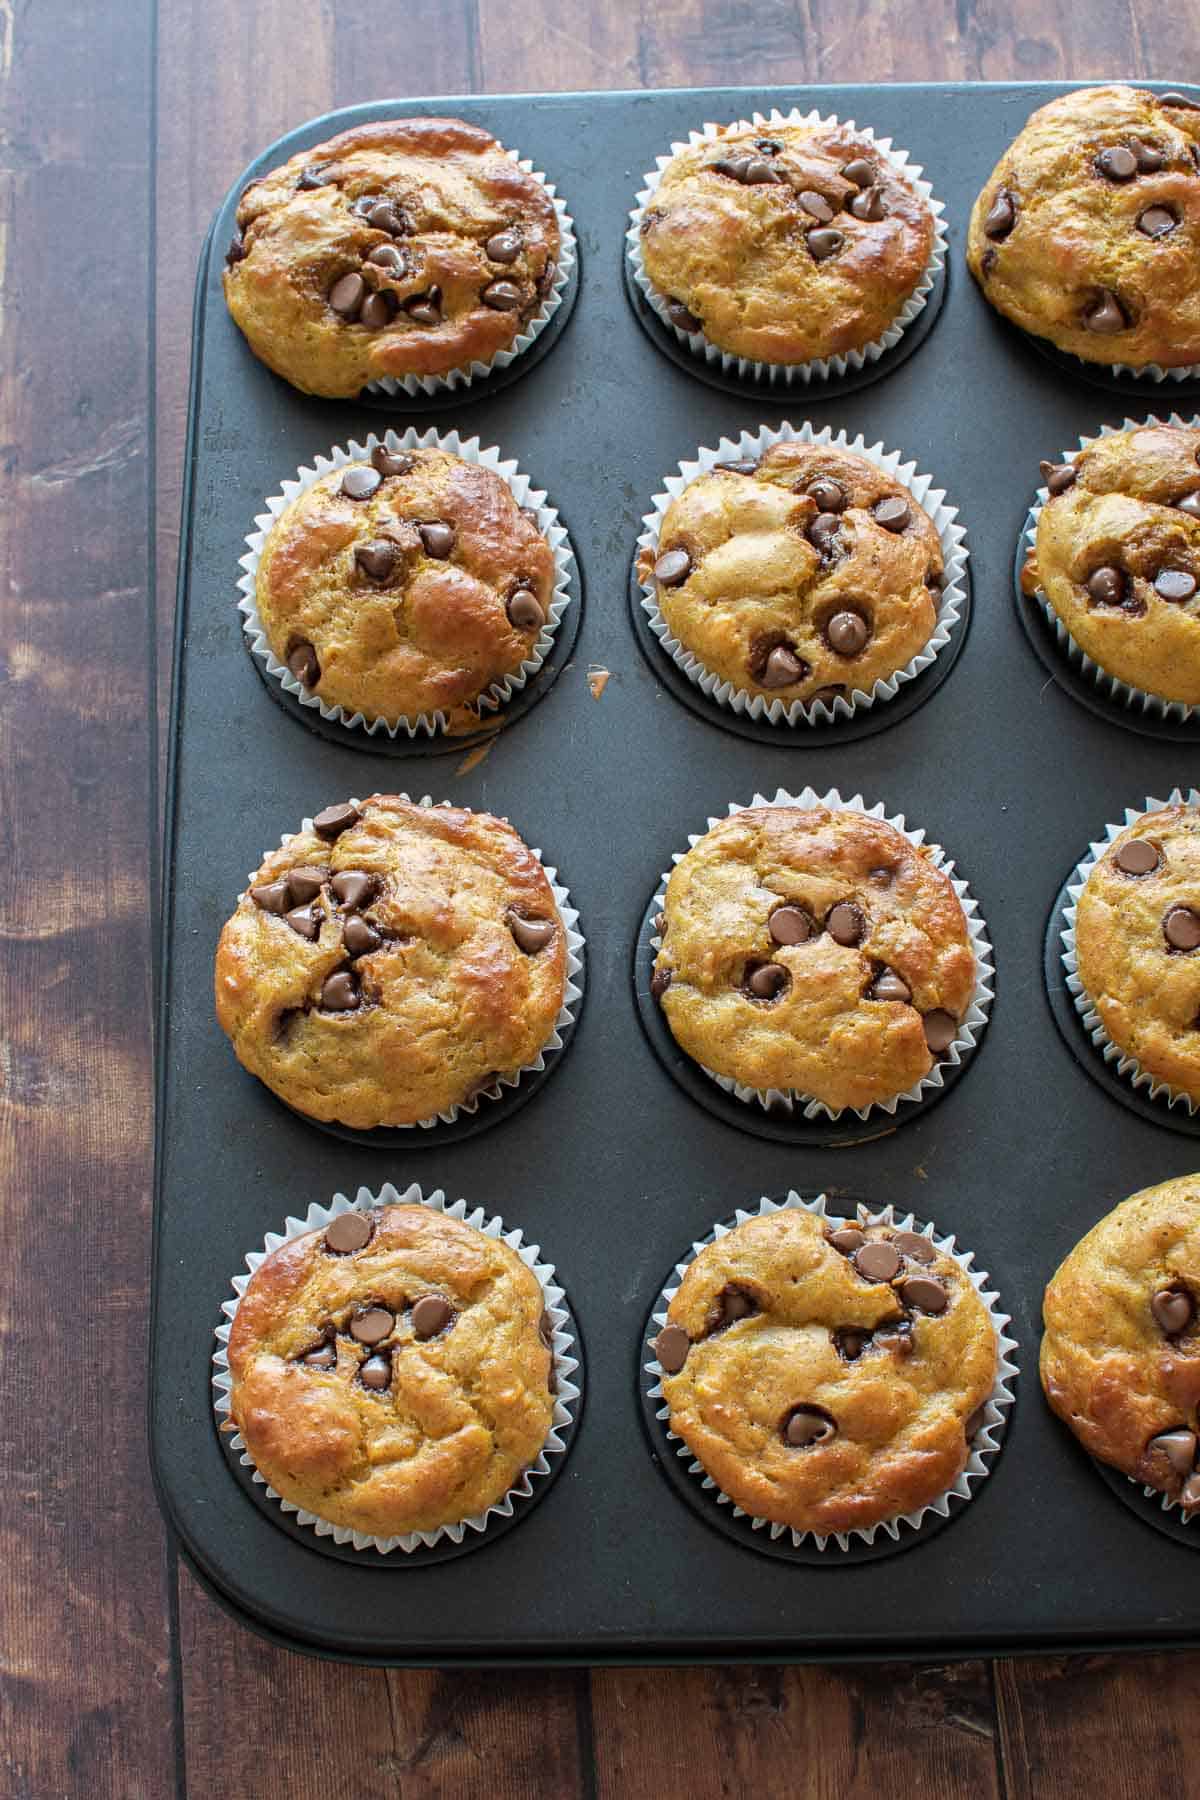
pixel 120 130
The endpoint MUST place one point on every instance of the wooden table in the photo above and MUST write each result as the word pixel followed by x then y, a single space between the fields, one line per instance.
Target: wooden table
pixel 121 129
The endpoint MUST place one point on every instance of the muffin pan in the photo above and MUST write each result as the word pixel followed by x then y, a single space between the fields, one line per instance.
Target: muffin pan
pixel 612 1163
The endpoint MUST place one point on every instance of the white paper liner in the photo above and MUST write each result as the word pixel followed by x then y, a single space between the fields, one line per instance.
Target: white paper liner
pixel 1166 1503
pixel 571 993
pixel 820 368
pixel 523 492
pixel 1126 1065
pixel 1135 698
pixel 986 1441
pixel 949 602
pixel 973 1020
pixel 566 1364
pixel 415 385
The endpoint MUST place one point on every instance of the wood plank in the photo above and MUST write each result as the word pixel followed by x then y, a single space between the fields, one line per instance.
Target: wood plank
pixel 1118 1727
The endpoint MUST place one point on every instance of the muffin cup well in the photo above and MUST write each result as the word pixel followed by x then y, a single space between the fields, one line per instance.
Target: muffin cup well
pixel 1136 699
pixel 566 1365
pixel 566 1015
pixel 973 1021
pixel 456 379
pixel 986 1442
pixel 1126 1065
pixel 951 601
pixel 820 368
pixel 432 724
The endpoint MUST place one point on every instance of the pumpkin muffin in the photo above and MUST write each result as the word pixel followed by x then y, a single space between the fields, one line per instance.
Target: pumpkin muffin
pixel 817 951
pixel 1088 230
pixel 391 962
pixel 411 247
pixel 1121 1352
pixel 1137 941
pixel 391 1372
pixel 404 586
pixel 786 242
pixel 827 1376
pixel 805 575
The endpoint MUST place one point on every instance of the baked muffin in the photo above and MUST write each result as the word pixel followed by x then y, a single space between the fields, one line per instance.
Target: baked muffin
pixel 785 243
pixel 1088 230
pixel 827 1375
pixel 411 247
pixel 814 950
pixel 802 576
pixel 391 962
pixel 1118 556
pixel 1121 1353
pixel 406 585
pixel 391 1372
pixel 1137 934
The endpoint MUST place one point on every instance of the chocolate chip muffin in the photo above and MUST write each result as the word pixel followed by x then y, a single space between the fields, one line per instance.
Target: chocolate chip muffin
pixel 827 1375
pixel 801 576
pixel 406 585
pixel 814 950
pixel 412 247
pixel 1121 1353
pixel 1118 556
pixel 787 242
pixel 1137 934
pixel 391 962
pixel 1088 230
pixel 391 1373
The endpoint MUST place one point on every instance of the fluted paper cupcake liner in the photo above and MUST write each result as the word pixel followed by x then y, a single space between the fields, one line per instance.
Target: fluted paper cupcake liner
pixel 986 1442
pixel 1125 1064
pixel 416 385
pixel 1135 698
pixel 970 1026
pixel 566 1363
pixel 820 368
pixel 950 602
pixel 571 993
pixel 524 493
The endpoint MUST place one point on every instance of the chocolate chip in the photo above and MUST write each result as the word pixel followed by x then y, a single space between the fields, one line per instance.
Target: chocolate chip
pixel 1107 586
pixel 1149 156
pixel 1002 215
pixel 1156 222
pixel 1172 1309
pixel 808 1425
pixel 390 462
pixel 682 319
pixel 503 247
pixel 660 981
pixel 323 1357
pixel 848 1239
pixel 1189 1493
pixel 430 1315
pixel 877 1260
pixel 359 937
pixel 546 1330
pixel 847 633
pixel 426 308
pixel 829 495
pixel 896 1338
pixel 350 1231
pixel 671 1347
pixel 1105 315
pixel 312 176
pixel 373 1325
pixel 302 663
pixel 1190 504
pixel 924 1292
pixel 353 888
pixel 438 539
pixel 870 206
pixel 941 1029
pixel 846 924
pixel 339 992
pixel 889 986
pixel 893 513
pixel 530 935
pixel 1137 857
pixel 334 820
pixel 1058 477
pixel 236 251
pixel 305 922
pixel 660 923
pixel 1181 100
pixel 525 612
pixel 272 896
pixel 363 205
pixel 731 1304
pixel 1117 163
pixel 1181 928
pixel 1178 1446
pixel 347 295
pixel 1174 584
pixel 768 146
pixel 914 1245
pixel 791 925
pixel 861 172
pixel 767 981
pixel 379 560
pixel 503 296
pixel 757 172
pixel 360 482
pixel 378 310
pixel 383 216
pixel 737 468
pixel 376 1373
pixel 822 533
pixel 783 668
pixel 987 262
pixel 672 567
pixel 389 258
pixel 815 205
pixel 305 883
pixel 824 243
pixel 851 1342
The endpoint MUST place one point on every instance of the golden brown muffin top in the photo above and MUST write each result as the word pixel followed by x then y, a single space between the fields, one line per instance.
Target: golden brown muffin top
pixel 801 576
pixel 1120 1357
pixel 817 950
pixel 411 247
pixel 785 242
pixel 388 963
pixel 1088 230
pixel 391 1372
pixel 827 1375
pixel 1137 940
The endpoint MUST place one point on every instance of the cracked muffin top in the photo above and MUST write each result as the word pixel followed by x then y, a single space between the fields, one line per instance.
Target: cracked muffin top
pixel 392 961
pixel 1137 940
pixel 1120 1358
pixel 827 1375
pixel 391 1372
pixel 404 586
pixel 412 247
pixel 819 951
pixel 1087 232
pixel 802 576
pixel 785 242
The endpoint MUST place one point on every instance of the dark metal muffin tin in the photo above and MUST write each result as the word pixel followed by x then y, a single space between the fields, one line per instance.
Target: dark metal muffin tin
pixel 610 1166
